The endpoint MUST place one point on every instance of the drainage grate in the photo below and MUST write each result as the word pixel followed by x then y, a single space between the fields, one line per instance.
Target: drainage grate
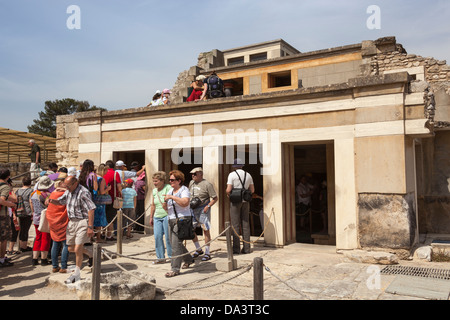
pixel 417 272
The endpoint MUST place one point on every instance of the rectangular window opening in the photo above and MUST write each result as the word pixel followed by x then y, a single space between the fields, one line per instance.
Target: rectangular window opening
pixel 234 61
pixel 280 79
pixel 258 56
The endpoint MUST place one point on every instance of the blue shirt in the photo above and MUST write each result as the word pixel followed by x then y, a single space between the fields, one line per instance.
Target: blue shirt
pixel 128 195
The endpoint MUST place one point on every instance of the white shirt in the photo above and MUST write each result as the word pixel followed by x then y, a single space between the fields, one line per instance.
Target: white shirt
pixel 183 192
pixel 303 189
pixel 236 183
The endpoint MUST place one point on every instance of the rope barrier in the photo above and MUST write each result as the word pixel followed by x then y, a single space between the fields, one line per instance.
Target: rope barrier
pixel 171 258
pixel 262 233
pixel 246 269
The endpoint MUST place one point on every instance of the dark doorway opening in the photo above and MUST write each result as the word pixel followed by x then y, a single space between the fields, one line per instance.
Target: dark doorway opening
pixel 311 196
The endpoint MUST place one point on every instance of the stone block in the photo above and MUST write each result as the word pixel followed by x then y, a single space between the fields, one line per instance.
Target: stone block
pixel 371 257
pixel 386 221
pixel 423 253
pixel 119 285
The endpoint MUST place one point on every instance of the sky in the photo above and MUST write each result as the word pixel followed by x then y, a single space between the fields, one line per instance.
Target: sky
pixel 115 54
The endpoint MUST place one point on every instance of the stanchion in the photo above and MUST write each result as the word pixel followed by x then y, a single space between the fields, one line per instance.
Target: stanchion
pixel 96 270
pixel 231 263
pixel 258 279
pixel 119 231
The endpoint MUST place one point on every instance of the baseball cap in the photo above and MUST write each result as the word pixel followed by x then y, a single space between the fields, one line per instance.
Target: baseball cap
pixel 120 163
pixel 198 169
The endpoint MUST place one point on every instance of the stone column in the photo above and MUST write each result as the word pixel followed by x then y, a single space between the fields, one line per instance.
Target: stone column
pixel 346 216
pixel 151 166
pixel 211 173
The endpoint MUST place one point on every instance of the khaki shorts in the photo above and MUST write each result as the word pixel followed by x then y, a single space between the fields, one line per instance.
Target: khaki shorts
pixel 76 233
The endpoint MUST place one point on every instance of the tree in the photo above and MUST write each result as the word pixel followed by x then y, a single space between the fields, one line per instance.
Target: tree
pixel 46 124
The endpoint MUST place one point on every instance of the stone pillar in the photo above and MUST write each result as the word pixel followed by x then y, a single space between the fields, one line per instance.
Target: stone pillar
pixel 273 196
pixel 345 188
pixel 211 173
pixel 151 166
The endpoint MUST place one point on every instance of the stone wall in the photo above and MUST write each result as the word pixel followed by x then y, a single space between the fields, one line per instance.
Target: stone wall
pixel 387 221
pixel 436 80
pixel 433 199
pixel 67 142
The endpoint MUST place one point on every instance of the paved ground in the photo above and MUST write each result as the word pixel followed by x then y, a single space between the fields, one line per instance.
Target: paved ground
pixel 297 272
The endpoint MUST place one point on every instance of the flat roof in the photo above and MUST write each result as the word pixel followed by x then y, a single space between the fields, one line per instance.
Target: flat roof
pixel 261 44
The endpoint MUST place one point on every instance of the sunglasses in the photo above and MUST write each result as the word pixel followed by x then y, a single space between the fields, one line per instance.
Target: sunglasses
pixel 172 180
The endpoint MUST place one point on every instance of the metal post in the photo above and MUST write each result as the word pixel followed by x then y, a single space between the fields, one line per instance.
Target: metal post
pixel 229 247
pixel 96 270
pixel 258 279
pixel 119 231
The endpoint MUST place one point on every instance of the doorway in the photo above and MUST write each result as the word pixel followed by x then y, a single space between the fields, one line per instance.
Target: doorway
pixel 314 193
pixel 128 157
pixel 250 155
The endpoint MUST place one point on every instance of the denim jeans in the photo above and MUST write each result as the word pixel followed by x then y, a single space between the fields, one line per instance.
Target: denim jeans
pixel 64 254
pixel 161 231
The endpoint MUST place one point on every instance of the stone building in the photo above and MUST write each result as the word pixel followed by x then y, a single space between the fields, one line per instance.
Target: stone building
pixel 369 119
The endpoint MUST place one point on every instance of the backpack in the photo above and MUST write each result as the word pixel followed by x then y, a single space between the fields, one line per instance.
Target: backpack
pixel 238 195
pixel 215 87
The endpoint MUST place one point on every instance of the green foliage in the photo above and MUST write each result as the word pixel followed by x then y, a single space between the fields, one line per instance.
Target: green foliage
pixel 46 124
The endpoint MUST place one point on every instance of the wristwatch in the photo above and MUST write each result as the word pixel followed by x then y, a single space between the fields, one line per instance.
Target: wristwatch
pixel 91 227
pixel 209 206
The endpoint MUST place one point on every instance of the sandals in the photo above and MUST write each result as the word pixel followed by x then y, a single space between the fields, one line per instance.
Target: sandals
pixel 13 252
pixel 197 253
pixel 206 257
pixel 171 274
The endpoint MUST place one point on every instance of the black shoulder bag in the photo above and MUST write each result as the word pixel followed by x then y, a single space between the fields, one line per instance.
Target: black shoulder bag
pixel 238 195
pixel 185 227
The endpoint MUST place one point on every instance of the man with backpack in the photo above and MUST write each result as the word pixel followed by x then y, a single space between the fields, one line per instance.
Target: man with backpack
pixel 213 86
pixel 240 188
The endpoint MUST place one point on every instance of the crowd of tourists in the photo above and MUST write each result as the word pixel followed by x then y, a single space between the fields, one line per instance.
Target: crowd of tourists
pixel 71 208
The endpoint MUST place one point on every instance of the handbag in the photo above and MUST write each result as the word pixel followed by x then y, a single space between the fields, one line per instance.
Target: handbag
pixel 184 227
pixel 43 222
pixel 101 199
pixel 118 201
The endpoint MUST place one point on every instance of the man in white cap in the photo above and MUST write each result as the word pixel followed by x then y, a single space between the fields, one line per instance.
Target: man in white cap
pixel 125 174
pixel 239 211
pixel 203 197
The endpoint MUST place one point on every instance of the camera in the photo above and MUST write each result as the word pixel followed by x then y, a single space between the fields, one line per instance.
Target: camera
pixel 195 202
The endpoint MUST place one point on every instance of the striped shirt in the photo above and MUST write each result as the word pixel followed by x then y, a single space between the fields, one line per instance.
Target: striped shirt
pixel 78 203
pixel 128 195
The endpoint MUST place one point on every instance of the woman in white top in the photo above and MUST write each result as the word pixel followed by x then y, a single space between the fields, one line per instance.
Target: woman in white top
pixel 178 200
